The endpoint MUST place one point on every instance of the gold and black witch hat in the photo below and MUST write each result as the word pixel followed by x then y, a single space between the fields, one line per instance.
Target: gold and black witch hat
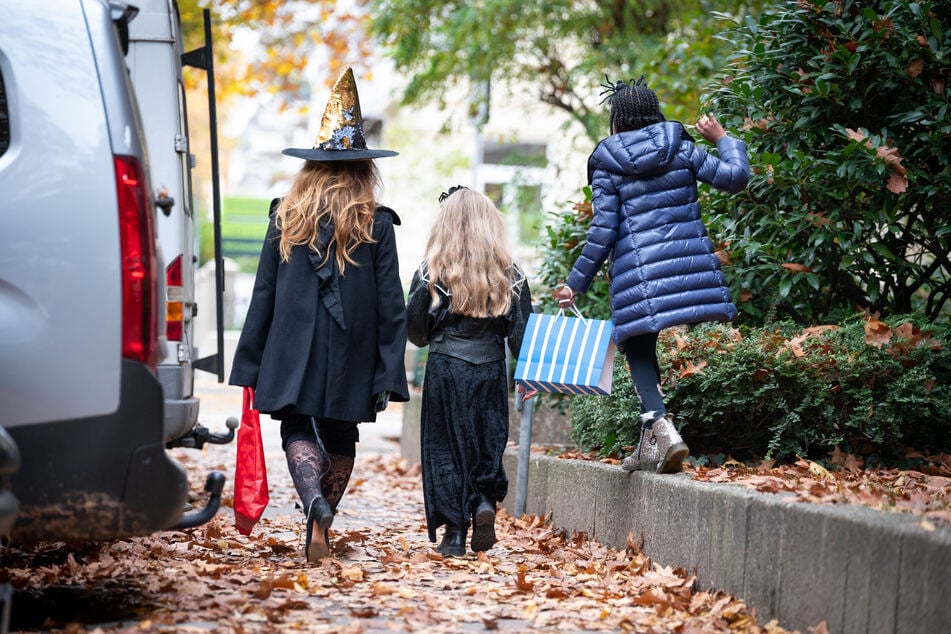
pixel 341 135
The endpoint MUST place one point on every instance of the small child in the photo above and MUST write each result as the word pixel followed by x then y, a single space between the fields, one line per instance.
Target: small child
pixel 466 299
pixel 647 220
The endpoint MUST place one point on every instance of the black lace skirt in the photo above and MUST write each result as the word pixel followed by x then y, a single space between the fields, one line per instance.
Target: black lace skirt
pixel 464 429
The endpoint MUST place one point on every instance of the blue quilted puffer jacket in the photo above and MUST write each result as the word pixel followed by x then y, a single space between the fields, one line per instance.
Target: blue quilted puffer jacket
pixel 644 198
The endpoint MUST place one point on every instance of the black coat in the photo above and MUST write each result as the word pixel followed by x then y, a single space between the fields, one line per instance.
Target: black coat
pixel 323 344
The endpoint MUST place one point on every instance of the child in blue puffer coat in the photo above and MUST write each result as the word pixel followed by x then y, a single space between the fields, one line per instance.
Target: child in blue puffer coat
pixel 663 269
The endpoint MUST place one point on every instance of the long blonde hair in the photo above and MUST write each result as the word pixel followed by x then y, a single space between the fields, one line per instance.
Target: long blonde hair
pixel 467 254
pixel 342 193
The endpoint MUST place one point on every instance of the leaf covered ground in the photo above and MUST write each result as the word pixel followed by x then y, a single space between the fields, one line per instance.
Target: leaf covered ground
pixel 384 575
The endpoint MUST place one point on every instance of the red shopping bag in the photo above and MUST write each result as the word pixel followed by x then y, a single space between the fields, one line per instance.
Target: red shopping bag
pixel 250 471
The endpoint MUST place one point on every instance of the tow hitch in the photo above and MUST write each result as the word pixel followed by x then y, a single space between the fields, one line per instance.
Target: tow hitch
pixel 200 435
pixel 214 485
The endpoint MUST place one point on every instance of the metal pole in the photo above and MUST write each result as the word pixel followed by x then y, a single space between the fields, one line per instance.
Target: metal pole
pixel 524 453
pixel 215 197
pixel 203 58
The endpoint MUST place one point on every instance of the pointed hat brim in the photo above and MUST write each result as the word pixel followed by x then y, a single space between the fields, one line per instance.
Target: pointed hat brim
pixel 314 154
pixel 341 136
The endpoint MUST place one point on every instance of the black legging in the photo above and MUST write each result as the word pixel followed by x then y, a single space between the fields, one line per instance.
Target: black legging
pixel 339 437
pixel 641 353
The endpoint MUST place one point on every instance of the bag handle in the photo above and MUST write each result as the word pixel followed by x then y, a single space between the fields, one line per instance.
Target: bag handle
pixel 574 309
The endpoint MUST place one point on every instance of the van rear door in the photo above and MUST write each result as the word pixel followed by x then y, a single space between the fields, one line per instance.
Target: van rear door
pixel 154 59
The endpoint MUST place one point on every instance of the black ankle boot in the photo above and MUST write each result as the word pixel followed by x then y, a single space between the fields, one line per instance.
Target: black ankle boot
pixel 453 542
pixel 317 544
pixel 483 525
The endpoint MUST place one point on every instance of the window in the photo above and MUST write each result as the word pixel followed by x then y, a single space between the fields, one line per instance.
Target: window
pixel 514 176
pixel 184 152
pixel 527 154
pixel 521 204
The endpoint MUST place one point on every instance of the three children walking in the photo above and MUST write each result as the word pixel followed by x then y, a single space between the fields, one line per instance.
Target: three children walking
pixel 325 333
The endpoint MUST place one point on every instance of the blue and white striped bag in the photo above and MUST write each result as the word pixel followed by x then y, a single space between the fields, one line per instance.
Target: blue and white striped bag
pixel 568 355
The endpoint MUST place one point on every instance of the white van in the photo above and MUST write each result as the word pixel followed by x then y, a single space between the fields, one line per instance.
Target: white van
pixel 82 287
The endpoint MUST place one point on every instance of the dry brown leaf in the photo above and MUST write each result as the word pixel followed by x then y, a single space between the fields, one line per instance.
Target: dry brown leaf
pixel 521 583
pixel 691 369
pixel 914 69
pixel 795 267
pixel 897 183
pixel 857 135
pixel 877 333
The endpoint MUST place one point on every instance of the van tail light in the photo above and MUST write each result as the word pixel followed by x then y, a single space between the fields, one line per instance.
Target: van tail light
pixel 174 306
pixel 139 263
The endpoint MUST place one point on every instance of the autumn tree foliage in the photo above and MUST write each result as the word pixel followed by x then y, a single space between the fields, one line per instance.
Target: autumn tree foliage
pixel 844 106
pixel 295 41
pixel 556 50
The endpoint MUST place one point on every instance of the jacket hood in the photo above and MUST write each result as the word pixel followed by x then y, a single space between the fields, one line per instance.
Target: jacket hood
pixel 639 153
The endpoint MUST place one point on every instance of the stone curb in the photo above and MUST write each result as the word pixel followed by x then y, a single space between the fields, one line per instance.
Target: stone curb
pixel 858 569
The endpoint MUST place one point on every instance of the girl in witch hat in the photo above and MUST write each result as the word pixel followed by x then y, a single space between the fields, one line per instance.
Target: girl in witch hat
pixel 647 220
pixel 325 333
pixel 467 299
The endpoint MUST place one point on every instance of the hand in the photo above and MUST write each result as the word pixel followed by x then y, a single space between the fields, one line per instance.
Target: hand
pixel 565 296
pixel 526 394
pixel 710 129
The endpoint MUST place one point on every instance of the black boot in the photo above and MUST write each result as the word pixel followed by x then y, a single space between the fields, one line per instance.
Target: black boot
pixel 307 462
pixel 319 519
pixel 453 542
pixel 483 525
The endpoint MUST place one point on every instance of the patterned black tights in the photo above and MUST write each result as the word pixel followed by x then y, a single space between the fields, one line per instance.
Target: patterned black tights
pixel 304 465
pixel 334 483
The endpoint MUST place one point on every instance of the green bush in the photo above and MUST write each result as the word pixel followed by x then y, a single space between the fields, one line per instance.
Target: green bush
pixel 844 106
pixel 780 391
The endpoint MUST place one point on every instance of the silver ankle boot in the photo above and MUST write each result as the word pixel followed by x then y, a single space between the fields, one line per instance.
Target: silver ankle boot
pixel 661 449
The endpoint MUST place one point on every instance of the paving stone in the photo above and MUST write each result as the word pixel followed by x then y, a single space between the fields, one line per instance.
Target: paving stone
pixel 617 494
pixel 872 574
pixel 571 506
pixel 672 510
pixel 924 586
pixel 728 512
pixel 813 568
pixel 762 568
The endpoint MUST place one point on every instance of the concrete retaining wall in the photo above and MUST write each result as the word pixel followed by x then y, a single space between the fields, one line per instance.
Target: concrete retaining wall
pixel 858 569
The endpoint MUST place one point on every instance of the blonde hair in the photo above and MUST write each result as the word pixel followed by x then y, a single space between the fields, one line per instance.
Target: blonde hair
pixel 467 254
pixel 342 193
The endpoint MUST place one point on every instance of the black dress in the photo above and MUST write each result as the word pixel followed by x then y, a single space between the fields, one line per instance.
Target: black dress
pixel 464 418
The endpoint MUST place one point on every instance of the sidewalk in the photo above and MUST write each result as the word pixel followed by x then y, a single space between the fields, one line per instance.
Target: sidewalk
pixel 385 575
pixel 857 569
pixel 219 401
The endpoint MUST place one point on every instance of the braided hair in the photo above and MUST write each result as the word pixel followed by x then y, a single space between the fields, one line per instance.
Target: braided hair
pixel 633 105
